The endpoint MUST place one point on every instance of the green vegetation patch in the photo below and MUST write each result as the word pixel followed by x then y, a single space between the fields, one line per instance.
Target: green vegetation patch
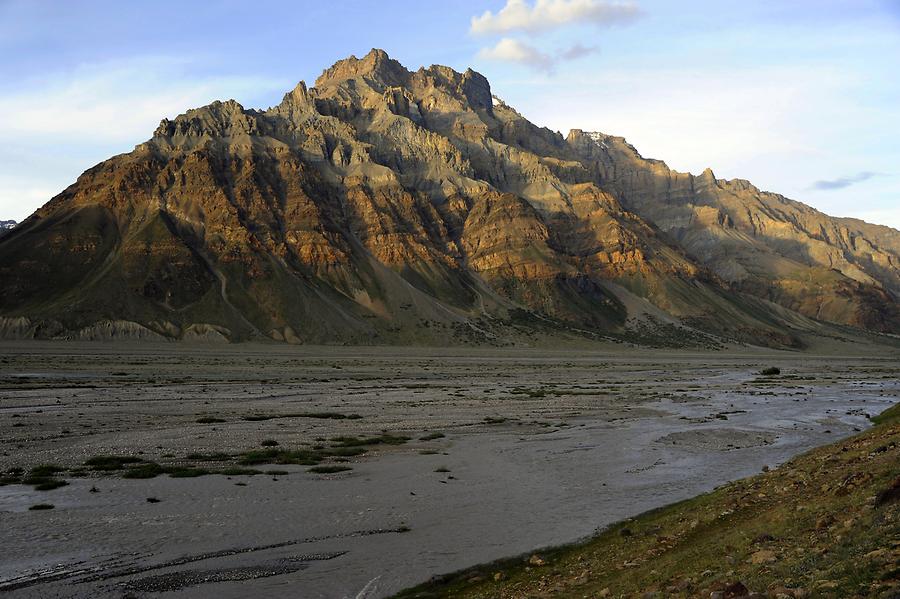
pixel 385 439
pixel 144 470
pixel 187 472
pixel 111 462
pixel 329 469
pixel 320 415
pixel 207 457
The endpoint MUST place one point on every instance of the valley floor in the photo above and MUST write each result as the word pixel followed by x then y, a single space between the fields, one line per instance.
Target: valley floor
pixel 431 460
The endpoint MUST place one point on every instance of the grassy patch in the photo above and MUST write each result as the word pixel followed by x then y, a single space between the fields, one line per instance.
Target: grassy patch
pixel 111 462
pixel 208 457
pixel 209 420
pixel 269 443
pixel 46 470
pixel 187 472
pixel 48 484
pixel 891 415
pixel 385 439
pixel 432 436
pixel 771 371
pixel 329 469
pixel 42 506
pixel 320 415
pixel 144 470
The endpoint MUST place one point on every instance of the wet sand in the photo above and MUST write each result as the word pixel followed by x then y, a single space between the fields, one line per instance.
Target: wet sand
pixel 539 448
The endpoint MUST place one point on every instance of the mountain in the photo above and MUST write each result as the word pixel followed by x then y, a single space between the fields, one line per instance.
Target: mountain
pixel 390 206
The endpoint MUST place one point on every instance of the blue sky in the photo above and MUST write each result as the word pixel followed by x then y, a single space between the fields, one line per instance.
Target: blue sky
pixel 802 98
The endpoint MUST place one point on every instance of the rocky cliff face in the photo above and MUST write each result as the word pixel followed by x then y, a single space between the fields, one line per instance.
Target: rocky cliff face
pixel 390 206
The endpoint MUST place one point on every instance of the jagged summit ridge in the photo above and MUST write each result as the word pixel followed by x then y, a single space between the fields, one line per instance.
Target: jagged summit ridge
pixel 385 205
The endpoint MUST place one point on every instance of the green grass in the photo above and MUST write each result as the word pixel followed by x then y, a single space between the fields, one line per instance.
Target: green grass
pixel 889 416
pixel 432 436
pixel 46 470
pixel 209 420
pixel 385 439
pixel 111 462
pixel 320 415
pixel 329 469
pixel 208 457
pixel 49 484
pixel 144 470
pixel 187 472
pixel 40 477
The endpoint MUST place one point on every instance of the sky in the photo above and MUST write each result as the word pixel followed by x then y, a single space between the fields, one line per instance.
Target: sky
pixel 801 98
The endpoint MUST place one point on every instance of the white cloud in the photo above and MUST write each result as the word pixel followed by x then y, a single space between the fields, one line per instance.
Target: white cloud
pixel 550 14
pixel 512 50
pixel 515 51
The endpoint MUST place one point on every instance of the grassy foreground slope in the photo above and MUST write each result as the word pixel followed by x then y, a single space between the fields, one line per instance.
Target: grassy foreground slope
pixel 825 524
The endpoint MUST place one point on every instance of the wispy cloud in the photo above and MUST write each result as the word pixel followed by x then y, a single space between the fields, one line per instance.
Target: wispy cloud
pixel 57 126
pixel 515 51
pixel 519 15
pixel 843 182
pixel 578 51
pixel 117 101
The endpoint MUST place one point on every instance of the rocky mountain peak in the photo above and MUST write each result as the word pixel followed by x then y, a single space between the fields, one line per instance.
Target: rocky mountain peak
pixel 388 206
pixel 218 119
pixel 376 66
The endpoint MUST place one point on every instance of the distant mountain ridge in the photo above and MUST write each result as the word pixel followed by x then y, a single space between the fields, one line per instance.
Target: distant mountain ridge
pixel 390 206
